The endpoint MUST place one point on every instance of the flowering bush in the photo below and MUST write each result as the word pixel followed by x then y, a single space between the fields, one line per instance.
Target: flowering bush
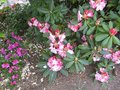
pixel 90 37
pixel 76 33
pixel 12 60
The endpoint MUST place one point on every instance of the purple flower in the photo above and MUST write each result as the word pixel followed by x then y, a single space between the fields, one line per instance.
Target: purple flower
pixel 3 51
pixel 16 37
pixel 5 65
pixel 15 62
pixel 13 83
pixel 21 52
pixel 8 56
pixel 15 76
pixel 10 47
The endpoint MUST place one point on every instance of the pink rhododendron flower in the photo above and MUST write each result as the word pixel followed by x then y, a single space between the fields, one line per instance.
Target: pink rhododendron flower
pixel 102 75
pixel 13 83
pixel 2 50
pixel 76 27
pixel 14 62
pixel 98 4
pixel 116 57
pixel 45 28
pixel 107 56
pixel 5 65
pixel 79 16
pixel 12 46
pixel 113 31
pixel 88 14
pixel 54 63
pixel 33 22
pixel 63 51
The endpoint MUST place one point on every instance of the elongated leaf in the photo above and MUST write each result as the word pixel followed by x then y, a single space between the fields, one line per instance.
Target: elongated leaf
pixel 76 67
pixel 116 40
pixel 82 68
pixel 110 43
pixel 86 54
pixel 105 42
pixel 52 76
pixel 84 62
pixel 46 73
pixel 104 25
pixel 64 72
pixel 91 30
pixel 110 25
pixel 68 65
pixel 100 37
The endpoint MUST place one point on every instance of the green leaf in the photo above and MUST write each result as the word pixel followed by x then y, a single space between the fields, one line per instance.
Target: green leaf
pixel 76 67
pixel 82 68
pixel 84 62
pixel 91 30
pixel 41 64
pixel 86 54
pixel 46 73
pixel 51 5
pixel 68 65
pixel 78 53
pixel 52 76
pixel 116 40
pixel 64 72
pixel 102 13
pixel 110 43
pixel 2 35
pixel 43 10
pixel 82 47
pixel 68 59
pixel 104 25
pixel 110 25
pixel 100 37
pixel 105 42
pixel 70 55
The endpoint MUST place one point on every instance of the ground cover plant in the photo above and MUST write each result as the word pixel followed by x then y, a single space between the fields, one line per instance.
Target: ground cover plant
pixel 75 33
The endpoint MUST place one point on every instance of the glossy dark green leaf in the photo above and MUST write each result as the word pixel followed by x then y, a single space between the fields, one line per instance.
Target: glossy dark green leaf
pixel 46 73
pixel 76 67
pixel 100 37
pixel 104 25
pixel 110 43
pixel 91 30
pixel 110 24
pixel 64 72
pixel 116 40
pixel 84 62
pixel 105 42
pixel 69 64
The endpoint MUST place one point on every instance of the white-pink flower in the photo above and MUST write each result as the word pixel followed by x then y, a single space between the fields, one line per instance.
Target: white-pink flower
pixel 54 63
pixel 63 51
pixel 116 57
pixel 76 27
pixel 98 4
pixel 88 14
pixel 102 75
pixel 79 16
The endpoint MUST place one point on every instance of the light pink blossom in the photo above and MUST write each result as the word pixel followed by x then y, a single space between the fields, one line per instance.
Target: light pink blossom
pixel 116 57
pixel 76 27
pixel 98 4
pixel 102 75
pixel 54 63
pixel 79 16
pixel 88 14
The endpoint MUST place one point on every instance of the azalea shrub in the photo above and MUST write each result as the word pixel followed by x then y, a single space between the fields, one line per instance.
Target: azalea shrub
pixel 89 34
pixel 12 60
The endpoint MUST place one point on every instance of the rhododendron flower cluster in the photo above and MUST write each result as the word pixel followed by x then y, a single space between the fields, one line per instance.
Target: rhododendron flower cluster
pixel 54 63
pixel 87 14
pixel 114 56
pixel 98 4
pixel 43 27
pixel 102 75
pixel 57 45
pixel 12 53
